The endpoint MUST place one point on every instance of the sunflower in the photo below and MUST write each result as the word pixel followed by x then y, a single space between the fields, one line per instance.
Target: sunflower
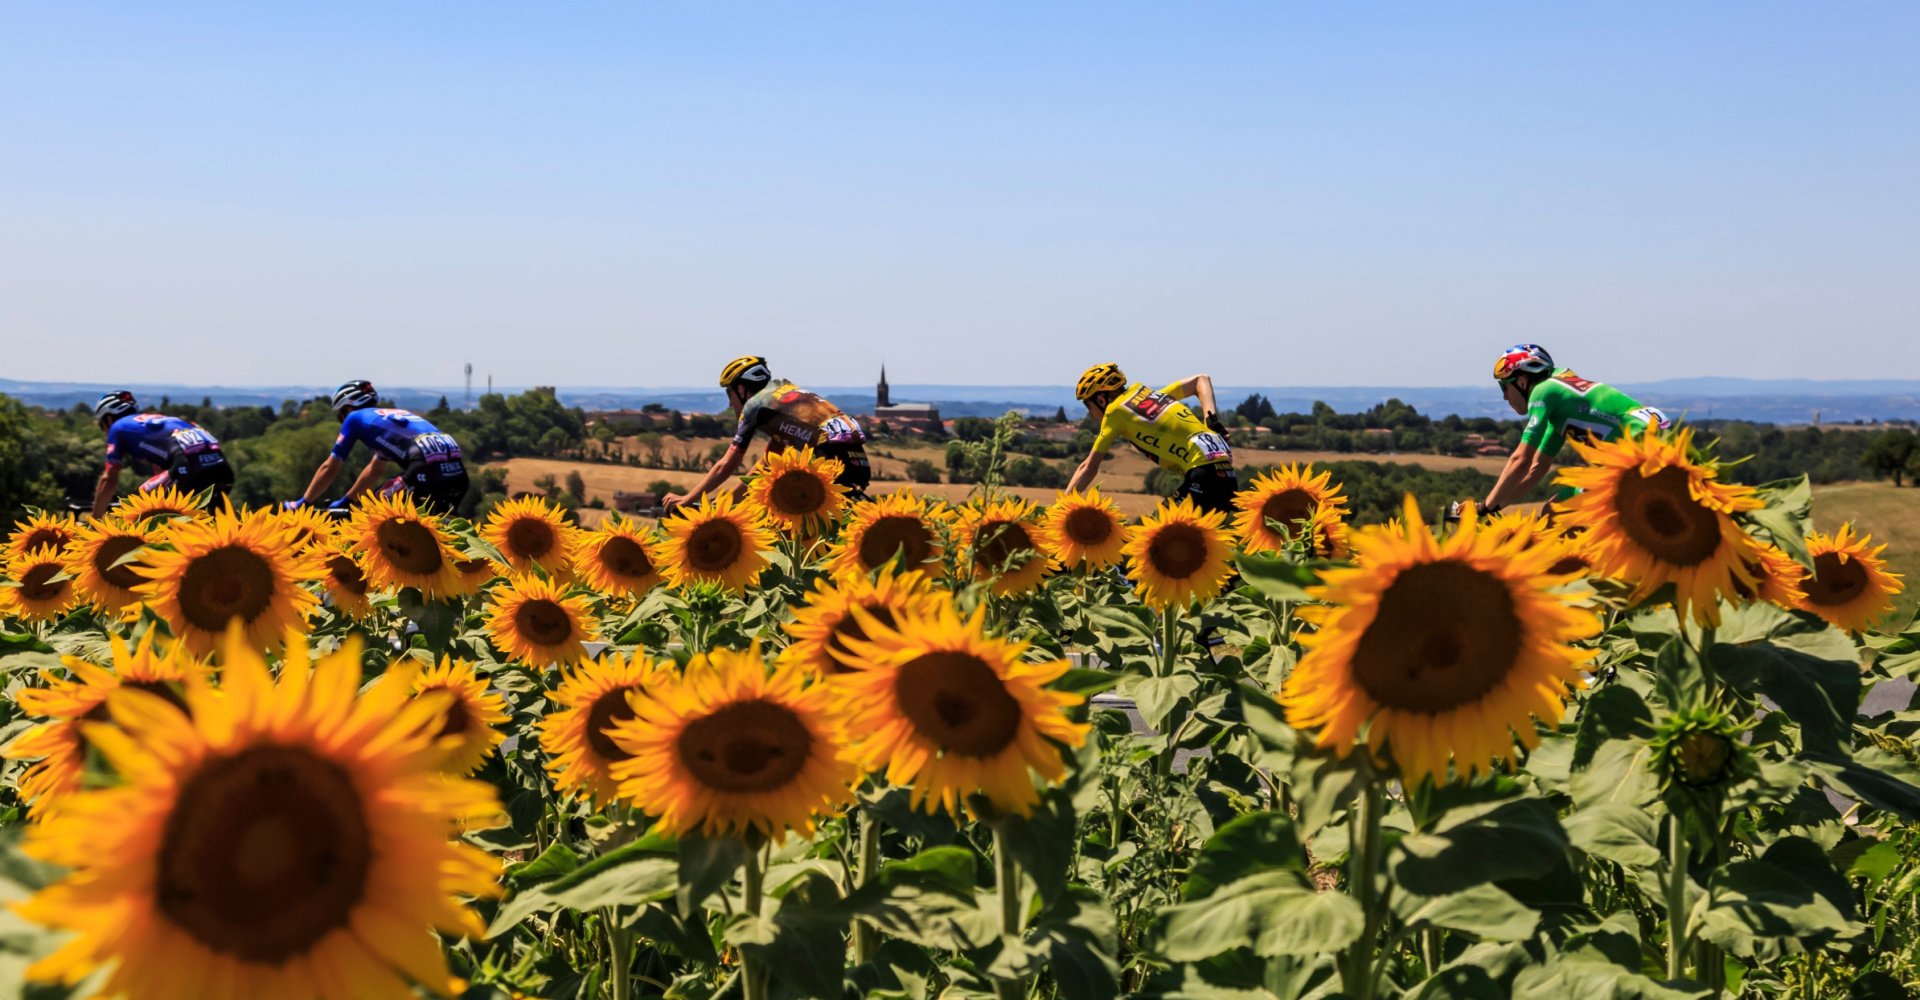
pixel 620 559
pixel 1178 555
pixel 822 626
pixel 1084 531
pixel 1776 578
pixel 348 591
pixel 469 724
pixel 43 590
pixel 717 542
pixel 230 568
pixel 580 754
pixel 1849 585
pixel 940 705
pixel 59 751
pixel 94 562
pixel 165 503
pixel 313 527
pixel 1431 647
pixel 41 530
pixel 534 622
pixel 896 526
pixel 1328 537
pixel 726 747
pixel 399 545
pixel 1276 504
pixel 530 532
pixel 1003 544
pixel 799 492
pixel 289 839
pixel 1655 516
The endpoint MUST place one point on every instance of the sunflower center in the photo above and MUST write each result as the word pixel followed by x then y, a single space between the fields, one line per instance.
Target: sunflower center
pixel 108 553
pixel 226 583
pixel 1287 507
pixel 50 537
pixel 409 546
pixel 798 493
pixel 468 567
pixel 264 854
pixel 1835 581
pixel 622 556
pixel 1659 513
pixel 1568 564
pixel 530 537
pixel 1444 635
pixel 897 534
pixel 848 629
pixel 1088 526
pixel 1702 757
pixel 1177 550
pixel 345 575
pixel 745 747
pixel 457 718
pixel 543 621
pixel 36 584
pixel 606 710
pixel 99 712
pixel 959 702
pixel 1003 547
pixel 714 546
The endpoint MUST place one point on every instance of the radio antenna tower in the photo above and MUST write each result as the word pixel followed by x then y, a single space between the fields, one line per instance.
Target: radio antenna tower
pixel 469 385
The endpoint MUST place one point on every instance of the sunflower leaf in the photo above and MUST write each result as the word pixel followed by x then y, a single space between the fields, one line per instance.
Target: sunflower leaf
pixel 1791 892
pixel 1255 842
pixel 1512 839
pixel 1276 578
pixel 1820 695
pixel 1273 912
pixel 1485 911
pixel 1618 832
pixel 707 864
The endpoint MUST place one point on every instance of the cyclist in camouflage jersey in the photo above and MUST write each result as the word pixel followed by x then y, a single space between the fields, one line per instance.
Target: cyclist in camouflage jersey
pixel 1556 403
pixel 790 417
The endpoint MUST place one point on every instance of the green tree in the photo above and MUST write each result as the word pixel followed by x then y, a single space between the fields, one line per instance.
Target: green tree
pixel 576 487
pixel 1893 454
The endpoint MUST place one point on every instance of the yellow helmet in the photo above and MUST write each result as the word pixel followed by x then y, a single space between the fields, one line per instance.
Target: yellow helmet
pixel 744 367
pixel 1100 378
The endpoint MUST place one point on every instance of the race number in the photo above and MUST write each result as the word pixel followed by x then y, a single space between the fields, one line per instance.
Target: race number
pixel 1210 447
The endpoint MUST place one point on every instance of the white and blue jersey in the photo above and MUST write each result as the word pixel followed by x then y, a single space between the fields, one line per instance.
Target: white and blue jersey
pixel 157 442
pixel 397 436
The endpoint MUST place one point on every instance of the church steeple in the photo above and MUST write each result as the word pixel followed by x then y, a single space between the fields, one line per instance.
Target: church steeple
pixel 881 395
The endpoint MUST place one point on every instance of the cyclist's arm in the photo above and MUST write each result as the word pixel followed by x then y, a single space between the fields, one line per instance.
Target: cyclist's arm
pixel 368 476
pixel 1525 469
pixel 103 492
pixel 322 478
pixel 1089 468
pixel 729 464
pixel 1199 386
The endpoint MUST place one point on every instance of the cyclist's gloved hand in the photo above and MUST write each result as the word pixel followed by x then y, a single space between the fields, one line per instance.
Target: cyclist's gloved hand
pixel 341 504
pixel 294 504
pixel 1214 425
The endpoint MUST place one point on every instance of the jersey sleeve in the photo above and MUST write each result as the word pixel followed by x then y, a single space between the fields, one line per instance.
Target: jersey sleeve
pixel 349 432
pixel 1546 429
pixel 749 422
pixel 119 444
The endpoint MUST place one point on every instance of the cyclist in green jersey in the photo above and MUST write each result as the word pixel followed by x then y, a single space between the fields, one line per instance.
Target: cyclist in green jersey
pixel 1556 403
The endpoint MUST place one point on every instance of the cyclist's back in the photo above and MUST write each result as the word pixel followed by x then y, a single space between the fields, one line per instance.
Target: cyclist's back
pixel 432 467
pixel 792 417
pixel 1566 404
pixel 170 450
pixel 1162 426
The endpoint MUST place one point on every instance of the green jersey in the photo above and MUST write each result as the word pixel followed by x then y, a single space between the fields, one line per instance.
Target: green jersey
pixel 1566 402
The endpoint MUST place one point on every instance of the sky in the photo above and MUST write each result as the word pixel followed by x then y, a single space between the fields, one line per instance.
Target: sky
pixel 629 194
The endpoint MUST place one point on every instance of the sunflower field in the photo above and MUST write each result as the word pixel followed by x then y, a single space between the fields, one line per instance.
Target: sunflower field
pixel 1653 742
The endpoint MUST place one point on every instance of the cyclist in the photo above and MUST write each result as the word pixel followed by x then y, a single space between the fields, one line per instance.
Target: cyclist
pixel 791 417
pixel 177 452
pixel 431 468
pixel 1164 428
pixel 1557 403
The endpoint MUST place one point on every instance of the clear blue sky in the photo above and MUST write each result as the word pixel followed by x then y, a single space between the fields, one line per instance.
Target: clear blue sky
pixel 628 194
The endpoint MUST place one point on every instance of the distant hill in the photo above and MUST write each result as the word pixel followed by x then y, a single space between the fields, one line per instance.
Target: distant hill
pixel 1792 401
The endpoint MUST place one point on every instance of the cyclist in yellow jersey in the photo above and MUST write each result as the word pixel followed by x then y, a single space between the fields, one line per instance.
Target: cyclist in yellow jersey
pixel 1164 428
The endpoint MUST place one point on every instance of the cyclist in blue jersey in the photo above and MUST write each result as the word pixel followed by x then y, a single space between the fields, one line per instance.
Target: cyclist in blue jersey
pixel 172 451
pixel 431 468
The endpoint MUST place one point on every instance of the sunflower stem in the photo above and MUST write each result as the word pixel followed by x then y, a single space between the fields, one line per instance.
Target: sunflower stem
pixel 619 955
pixel 1006 871
pixel 1676 899
pixel 866 938
pixel 753 878
pixel 1359 974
